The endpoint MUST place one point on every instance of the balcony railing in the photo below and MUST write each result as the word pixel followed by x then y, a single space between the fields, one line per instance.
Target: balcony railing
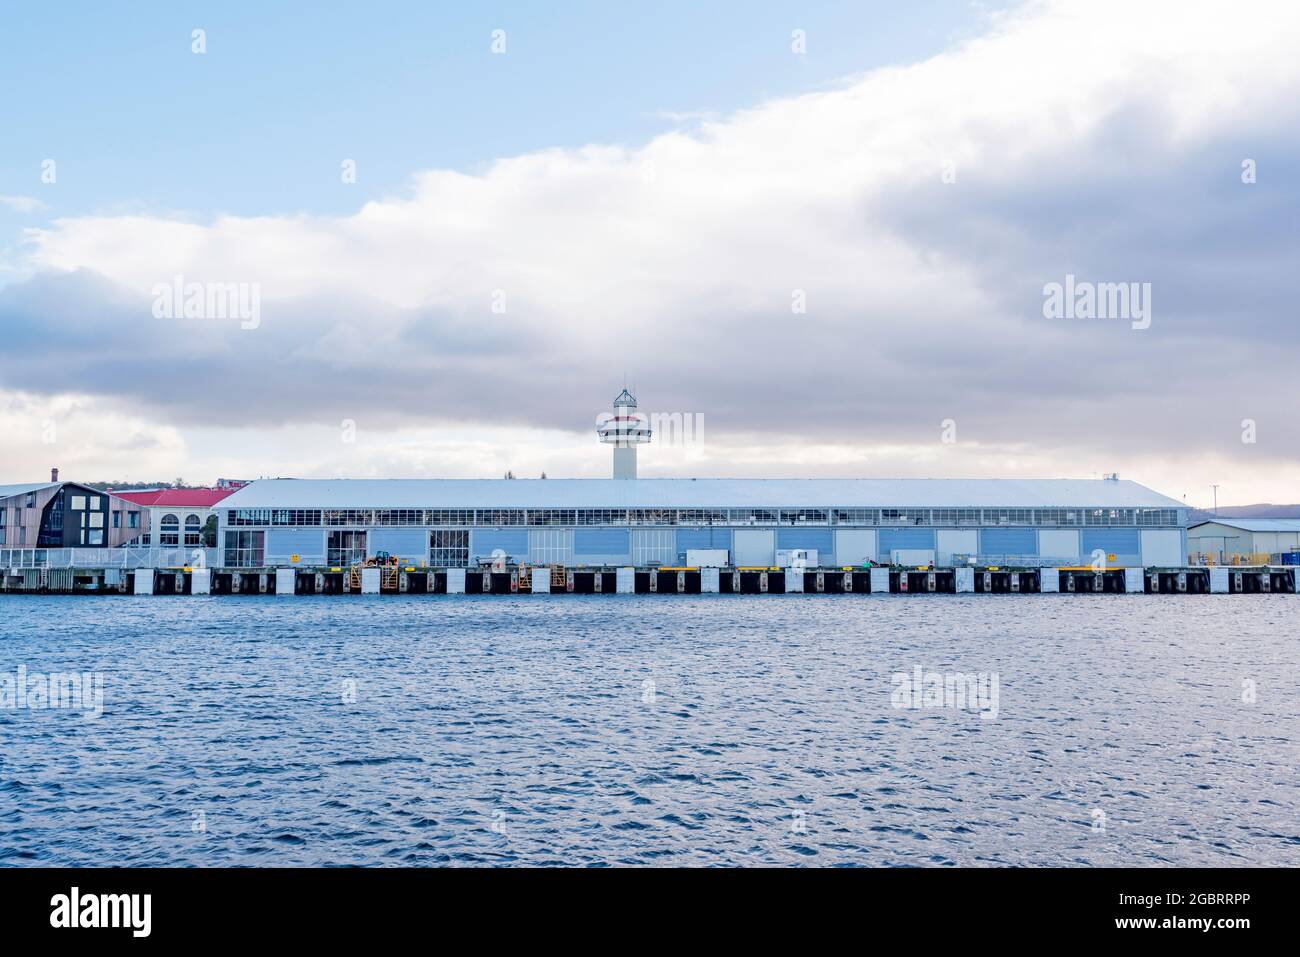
pixel 129 557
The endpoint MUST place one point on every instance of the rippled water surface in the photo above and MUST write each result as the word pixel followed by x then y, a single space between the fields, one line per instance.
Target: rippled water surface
pixel 665 730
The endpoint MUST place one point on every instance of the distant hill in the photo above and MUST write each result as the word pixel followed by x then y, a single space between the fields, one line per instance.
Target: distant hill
pixel 136 486
pixel 1246 511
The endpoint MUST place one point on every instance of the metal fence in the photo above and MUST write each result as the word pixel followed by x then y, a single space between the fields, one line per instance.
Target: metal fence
pixel 137 557
pixel 1026 561
pixel 1238 558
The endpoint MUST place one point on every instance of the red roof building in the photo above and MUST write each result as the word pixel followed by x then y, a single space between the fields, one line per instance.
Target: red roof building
pixel 176 516
pixel 177 497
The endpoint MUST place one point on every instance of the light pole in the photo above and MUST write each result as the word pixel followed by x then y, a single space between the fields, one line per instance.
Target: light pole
pixel 1216 500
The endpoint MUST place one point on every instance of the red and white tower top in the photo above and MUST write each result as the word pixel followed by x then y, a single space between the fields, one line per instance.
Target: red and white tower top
pixel 624 430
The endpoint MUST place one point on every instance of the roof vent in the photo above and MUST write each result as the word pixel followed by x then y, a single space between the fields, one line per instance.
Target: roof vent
pixel 54 475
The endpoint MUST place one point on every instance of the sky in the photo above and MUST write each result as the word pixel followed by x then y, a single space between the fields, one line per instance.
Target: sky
pixel 825 234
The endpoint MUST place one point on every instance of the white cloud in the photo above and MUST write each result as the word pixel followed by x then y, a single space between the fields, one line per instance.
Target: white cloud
pixel 1101 138
pixel 22 204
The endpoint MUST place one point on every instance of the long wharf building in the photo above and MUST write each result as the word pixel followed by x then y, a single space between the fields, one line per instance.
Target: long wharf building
pixel 452 523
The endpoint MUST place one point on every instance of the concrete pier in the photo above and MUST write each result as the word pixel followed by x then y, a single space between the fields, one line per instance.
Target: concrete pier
pixel 666 580
pixel 284 581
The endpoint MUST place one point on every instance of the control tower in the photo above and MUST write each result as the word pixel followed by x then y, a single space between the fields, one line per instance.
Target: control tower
pixel 624 430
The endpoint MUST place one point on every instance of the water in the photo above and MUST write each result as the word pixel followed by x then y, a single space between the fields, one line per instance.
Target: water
pixel 657 730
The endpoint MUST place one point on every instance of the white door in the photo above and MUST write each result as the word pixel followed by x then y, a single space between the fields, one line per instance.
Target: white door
pixel 1162 546
pixel 754 546
pixel 854 546
pixel 1059 543
pixel 955 541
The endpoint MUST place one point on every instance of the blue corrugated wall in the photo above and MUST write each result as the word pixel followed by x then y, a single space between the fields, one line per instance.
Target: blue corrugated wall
pixel 1008 541
pixel 512 541
pixel 601 541
pixel 891 538
pixel 703 538
pixel 307 543
pixel 822 539
pixel 602 546
pixel 411 544
pixel 1112 541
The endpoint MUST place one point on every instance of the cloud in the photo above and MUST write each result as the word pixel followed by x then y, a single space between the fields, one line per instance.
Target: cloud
pixel 22 204
pixel 1101 139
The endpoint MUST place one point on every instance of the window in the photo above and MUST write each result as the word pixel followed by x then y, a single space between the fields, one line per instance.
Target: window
pixel 336 516
pixel 96 519
pixel 1157 516
pixel 117 518
pixel 551 516
pixel 701 516
pixel 346 548
pixel 602 516
pixel 245 549
pixel 132 519
pixel 804 516
pixel 1108 516
pixel 193 529
pixel 95 537
pixel 399 516
pixel 1057 516
pixel 78 503
pixel 955 516
pixel 447 516
pixel 904 516
pixel 501 516
pixel 1007 516
pixel 449 547
pixel 279 516
pixel 169 530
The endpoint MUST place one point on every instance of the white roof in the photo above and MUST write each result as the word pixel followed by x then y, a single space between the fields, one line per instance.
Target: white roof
pixel 1255 524
pixel 8 490
pixel 694 493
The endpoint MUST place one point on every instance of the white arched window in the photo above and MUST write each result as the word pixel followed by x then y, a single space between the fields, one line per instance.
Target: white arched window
pixel 169 530
pixel 193 528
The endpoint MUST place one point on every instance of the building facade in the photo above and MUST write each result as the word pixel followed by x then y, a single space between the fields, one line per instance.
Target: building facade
pixel 644 522
pixel 65 515
pixel 1224 540
pixel 176 517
